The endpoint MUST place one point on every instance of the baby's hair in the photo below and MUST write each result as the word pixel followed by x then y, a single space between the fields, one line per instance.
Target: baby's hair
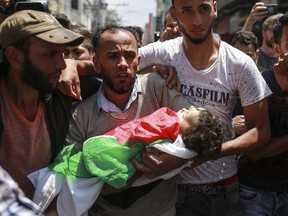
pixel 206 136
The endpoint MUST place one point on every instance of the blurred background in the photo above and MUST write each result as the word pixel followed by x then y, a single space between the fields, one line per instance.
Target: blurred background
pixel 150 14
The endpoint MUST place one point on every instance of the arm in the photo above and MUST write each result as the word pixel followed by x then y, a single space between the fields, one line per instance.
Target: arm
pixel 69 83
pixel 276 146
pixel 238 123
pixel 258 130
pixel 156 163
pixel 257 13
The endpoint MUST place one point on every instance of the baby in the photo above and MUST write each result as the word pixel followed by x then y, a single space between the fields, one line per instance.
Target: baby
pixel 185 134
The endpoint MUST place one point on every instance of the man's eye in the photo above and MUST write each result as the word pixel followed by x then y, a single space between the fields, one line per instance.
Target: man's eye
pixel 66 54
pixel 78 52
pixel 186 11
pixel 205 9
pixel 113 55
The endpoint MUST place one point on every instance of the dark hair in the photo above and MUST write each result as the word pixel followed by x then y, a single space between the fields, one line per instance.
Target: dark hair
pixel 110 28
pixel 278 27
pixel 63 20
pixel 206 136
pixel 246 38
pixel 174 1
pixel 87 43
pixel 138 32
pixel 271 20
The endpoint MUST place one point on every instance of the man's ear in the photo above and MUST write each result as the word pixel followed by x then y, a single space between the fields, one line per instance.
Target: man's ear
pixel 14 56
pixel 173 14
pixel 215 6
pixel 276 48
pixel 97 64
pixel 257 53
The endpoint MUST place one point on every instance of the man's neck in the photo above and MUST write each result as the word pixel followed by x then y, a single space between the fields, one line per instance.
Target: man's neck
pixel 202 56
pixel 120 100
pixel 24 97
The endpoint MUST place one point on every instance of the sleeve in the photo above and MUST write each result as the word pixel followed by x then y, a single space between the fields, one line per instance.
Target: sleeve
pixel 151 54
pixel 251 85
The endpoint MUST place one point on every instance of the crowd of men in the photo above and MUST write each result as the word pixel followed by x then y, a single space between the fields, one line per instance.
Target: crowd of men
pixel 63 84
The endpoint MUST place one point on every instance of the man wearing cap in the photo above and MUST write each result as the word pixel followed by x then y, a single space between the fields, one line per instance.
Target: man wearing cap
pixel 34 115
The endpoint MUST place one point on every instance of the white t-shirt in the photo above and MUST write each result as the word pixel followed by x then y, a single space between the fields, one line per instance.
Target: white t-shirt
pixel 233 74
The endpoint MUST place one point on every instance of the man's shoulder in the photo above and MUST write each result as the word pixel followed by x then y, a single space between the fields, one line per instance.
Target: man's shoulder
pixel 87 103
pixel 167 45
pixel 228 48
pixel 151 79
pixel 234 56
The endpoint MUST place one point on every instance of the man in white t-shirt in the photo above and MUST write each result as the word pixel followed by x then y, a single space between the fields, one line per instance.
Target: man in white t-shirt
pixel 213 75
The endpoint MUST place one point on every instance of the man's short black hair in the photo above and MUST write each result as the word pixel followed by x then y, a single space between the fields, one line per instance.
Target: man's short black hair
pixel 278 27
pixel 110 28
pixel 174 1
pixel 246 38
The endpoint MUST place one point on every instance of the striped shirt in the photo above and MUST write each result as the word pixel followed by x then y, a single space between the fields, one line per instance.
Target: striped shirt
pixel 25 145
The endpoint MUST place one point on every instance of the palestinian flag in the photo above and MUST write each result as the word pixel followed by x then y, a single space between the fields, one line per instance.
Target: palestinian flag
pixel 109 156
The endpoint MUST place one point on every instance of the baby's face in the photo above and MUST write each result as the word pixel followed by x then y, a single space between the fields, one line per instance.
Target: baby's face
pixel 188 118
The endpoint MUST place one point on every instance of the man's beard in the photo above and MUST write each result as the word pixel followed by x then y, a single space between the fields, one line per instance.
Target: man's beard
pixel 196 40
pixel 35 78
pixel 109 83
pixel 269 43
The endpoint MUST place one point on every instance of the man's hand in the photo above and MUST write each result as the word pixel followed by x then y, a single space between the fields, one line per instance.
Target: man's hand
pixel 69 82
pixel 239 124
pixel 170 33
pixel 156 163
pixel 168 73
pixel 5 3
pixel 259 11
pixel 281 72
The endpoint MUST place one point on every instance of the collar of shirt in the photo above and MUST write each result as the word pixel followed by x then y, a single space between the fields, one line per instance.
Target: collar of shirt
pixel 108 106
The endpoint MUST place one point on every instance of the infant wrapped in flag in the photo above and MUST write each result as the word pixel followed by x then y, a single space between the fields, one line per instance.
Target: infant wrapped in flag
pixel 78 176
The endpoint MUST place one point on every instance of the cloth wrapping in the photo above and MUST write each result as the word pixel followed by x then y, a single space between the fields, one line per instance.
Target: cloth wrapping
pixel 107 158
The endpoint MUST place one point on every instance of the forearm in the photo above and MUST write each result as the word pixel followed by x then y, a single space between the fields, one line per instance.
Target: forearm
pixel 146 70
pixel 274 147
pixel 253 139
pixel 248 25
pixel 86 68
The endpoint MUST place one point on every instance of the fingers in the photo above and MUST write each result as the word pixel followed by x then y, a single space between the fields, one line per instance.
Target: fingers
pixel 77 91
pixel 70 89
pixel 140 167
pixel 171 80
pixel 162 70
pixel 178 86
pixel 150 164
